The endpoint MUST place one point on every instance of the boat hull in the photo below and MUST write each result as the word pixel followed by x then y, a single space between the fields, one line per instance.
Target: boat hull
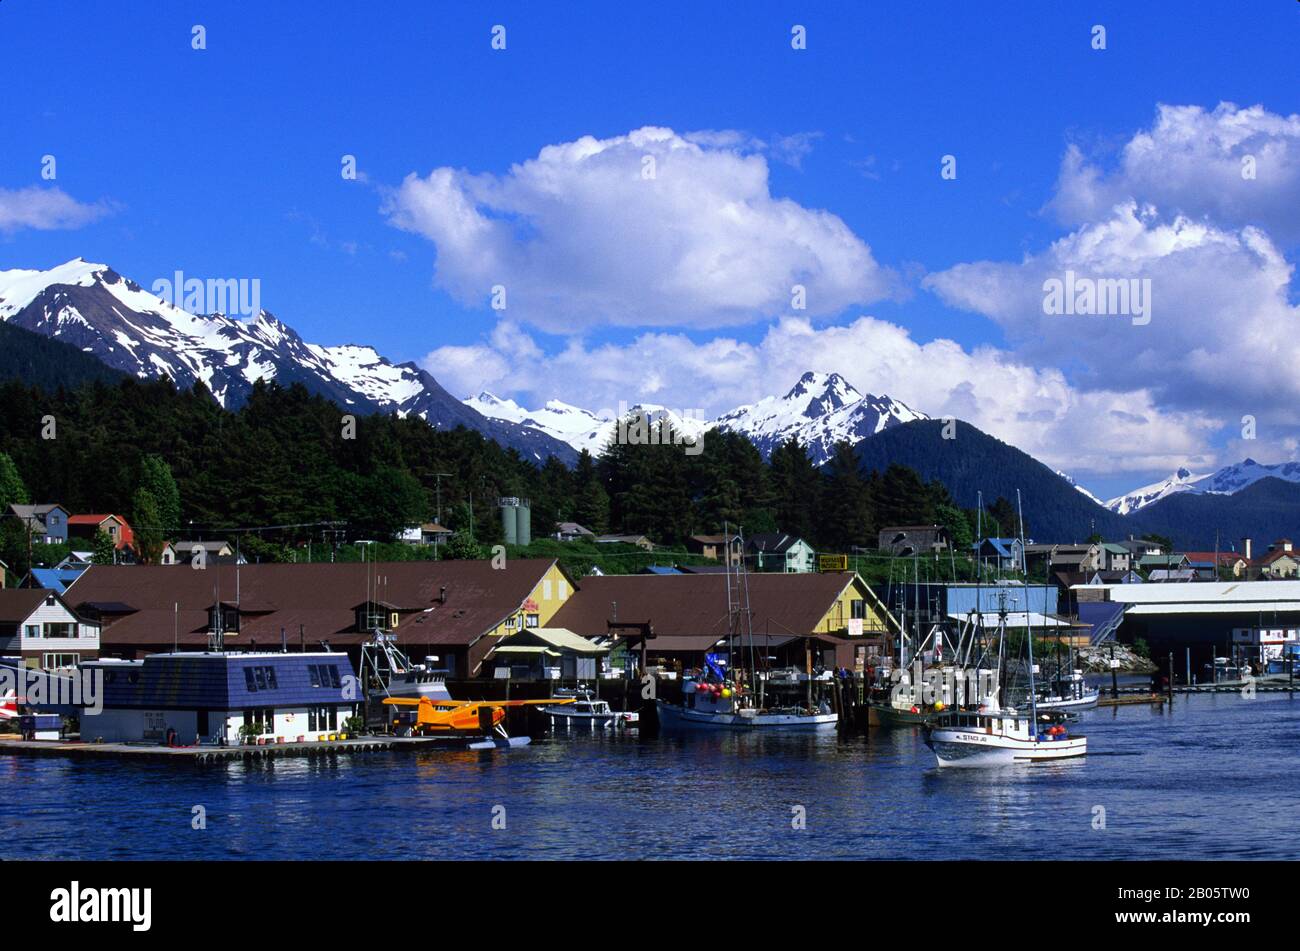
pixel 559 718
pixel 969 748
pixel 1074 703
pixel 884 714
pixel 672 717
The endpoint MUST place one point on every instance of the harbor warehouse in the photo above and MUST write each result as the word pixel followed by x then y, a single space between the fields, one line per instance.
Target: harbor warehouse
pixel 453 611
pixel 680 618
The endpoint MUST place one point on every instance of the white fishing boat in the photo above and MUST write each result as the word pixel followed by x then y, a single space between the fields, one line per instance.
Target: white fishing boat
pixel 585 710
pixel 1068 693
pixel 993 736
pixel 999 735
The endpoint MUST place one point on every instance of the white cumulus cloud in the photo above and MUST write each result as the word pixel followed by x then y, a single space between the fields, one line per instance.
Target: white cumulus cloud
pixel 1222 334
pixel 1036 410
pixel 1233 166
pixel 646 229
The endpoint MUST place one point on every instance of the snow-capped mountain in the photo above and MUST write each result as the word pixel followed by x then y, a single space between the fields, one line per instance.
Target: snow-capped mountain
pixel 92 307
pixel 820 410
pixel 1225 481
pixel 581 428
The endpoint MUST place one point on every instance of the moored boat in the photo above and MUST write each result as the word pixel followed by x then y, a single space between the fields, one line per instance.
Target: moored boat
pixel 705 708
pixel 755 698
pixel 1070 692
pixel 581 709
pixel 1001 737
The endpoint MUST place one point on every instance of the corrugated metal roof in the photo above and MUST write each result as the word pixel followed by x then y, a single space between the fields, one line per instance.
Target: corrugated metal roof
pixel 1204 591
pixel 1207 607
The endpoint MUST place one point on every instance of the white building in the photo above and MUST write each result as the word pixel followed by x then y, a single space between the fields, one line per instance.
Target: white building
pixel 38 625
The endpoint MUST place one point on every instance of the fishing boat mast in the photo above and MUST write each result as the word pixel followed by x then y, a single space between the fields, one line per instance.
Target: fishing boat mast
pixel 1029 630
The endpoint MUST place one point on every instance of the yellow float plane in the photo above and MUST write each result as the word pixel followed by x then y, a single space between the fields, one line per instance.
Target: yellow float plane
pixel 459 717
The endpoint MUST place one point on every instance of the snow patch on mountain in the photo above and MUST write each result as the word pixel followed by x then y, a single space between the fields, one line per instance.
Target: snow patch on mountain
pixel 581 428
pixel 1070 479
pixel 820 410
pixel 1225 481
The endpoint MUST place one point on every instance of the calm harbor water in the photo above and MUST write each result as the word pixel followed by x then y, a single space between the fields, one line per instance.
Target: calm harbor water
pixel 1215 778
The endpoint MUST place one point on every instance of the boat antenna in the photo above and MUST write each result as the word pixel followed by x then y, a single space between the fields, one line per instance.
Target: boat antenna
pixel 1029 628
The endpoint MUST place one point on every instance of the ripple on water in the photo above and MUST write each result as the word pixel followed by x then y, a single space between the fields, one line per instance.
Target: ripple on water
pixel 1169 784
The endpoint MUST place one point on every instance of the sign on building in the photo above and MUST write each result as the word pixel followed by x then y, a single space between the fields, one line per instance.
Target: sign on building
pixel 832 562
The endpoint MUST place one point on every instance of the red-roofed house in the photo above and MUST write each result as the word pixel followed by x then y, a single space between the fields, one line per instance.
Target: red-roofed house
pixel 1280 562
pixel 117 528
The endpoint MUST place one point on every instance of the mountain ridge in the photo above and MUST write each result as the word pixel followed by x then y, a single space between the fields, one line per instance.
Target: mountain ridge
pixel 95 309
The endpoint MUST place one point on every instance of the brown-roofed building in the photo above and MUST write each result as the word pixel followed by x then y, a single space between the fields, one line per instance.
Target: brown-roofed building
pixel 682 617
pixel 713 546
pixel 452 610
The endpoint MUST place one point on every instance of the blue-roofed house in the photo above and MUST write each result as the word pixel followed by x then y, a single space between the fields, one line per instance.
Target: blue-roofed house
pixel 1003 554
pixel 206 697
pixel 52 579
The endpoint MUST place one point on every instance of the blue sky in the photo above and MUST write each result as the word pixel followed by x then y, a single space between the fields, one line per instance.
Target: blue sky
pixel 226 162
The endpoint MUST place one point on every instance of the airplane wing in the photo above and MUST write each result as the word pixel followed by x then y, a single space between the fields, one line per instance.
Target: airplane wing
pixel 416 701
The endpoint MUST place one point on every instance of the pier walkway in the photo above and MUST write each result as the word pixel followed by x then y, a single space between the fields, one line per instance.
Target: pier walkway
pixel 219 754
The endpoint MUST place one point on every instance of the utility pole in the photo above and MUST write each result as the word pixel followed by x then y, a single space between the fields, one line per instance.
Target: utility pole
pixel 438 477
pixel 437 480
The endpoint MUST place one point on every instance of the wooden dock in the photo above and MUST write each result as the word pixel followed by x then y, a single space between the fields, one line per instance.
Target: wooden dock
pixel 223 754
pixel 1132 699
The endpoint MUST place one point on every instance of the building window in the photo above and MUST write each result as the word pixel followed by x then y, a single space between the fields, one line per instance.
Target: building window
pixel 259 678
pixel 546 590
pixel 324 675
pixel 858 607
pixel 34 631
pixel 533 620
pixel 58 661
